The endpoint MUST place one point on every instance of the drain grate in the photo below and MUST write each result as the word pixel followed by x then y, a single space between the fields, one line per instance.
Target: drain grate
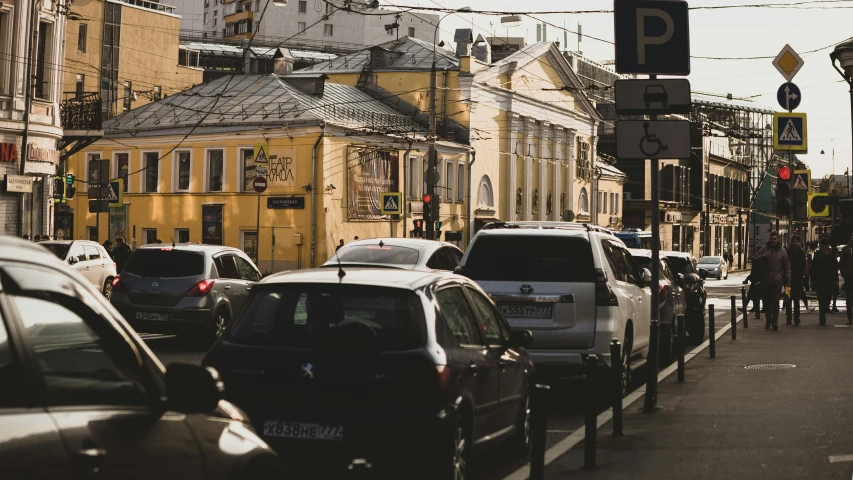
pixel 770 366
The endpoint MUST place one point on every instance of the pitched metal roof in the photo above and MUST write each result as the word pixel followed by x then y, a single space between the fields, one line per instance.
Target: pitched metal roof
pixel 257 52
pixel 406 53
pixel 251 100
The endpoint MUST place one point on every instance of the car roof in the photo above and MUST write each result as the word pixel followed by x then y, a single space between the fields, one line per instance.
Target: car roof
pixel 641 252
pixel 673 253
pixel 195 247
pixel 393 278
pixel 419 244
pixel 545 226
pixel 68 242
pixel 14 248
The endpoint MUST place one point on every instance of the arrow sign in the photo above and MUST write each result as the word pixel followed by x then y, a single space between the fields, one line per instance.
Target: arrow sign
pixel 789 96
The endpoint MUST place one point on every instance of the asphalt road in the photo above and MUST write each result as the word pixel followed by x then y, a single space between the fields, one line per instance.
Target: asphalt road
pixel 567 398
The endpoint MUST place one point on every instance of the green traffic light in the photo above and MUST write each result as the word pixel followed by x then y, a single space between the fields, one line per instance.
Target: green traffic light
pixel 69 179
pixel 437 225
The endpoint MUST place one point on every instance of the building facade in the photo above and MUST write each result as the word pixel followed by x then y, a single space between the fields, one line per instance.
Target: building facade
pixel 25 205
pixel 124 53
pixel 327 152
pixel 358 23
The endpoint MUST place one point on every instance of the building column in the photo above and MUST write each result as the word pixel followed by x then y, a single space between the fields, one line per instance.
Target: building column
pixel 558 137
pixel 514 149
pixel 529 129
pixel 544 157
pixel 571 169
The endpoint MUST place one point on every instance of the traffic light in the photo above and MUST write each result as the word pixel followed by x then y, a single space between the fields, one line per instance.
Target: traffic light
pixel 58 189
pixel 436 209
pixel 784 192
pixel 427 208
pixel 69 192
pixel 69 179
pixel 437 226
pixel 419 227
pixel 801 205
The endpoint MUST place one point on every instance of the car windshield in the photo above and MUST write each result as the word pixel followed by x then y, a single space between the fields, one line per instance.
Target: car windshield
pixel 709 260
pixel 165 263
pixel 58 249
pixel 394 255
pixel 681 265
pixel 531 258
pixel 320 316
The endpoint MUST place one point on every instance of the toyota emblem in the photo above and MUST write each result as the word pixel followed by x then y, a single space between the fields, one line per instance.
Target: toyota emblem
pixel 155 285
pixel 525 289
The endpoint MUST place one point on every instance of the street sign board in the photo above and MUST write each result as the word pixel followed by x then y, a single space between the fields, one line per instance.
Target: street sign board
pixel 789 96
pixel 652 139
pixel 261 171
pixel 260 184
pixel 650 97
pixel 790 132
pixel 802 180
pixel 286 202
pixel 99 206
pixel 98 193
pixel 788 63
pixel 19 183
pixel 115 193
pixel 818 205
pixel 652 37
pixel 390 203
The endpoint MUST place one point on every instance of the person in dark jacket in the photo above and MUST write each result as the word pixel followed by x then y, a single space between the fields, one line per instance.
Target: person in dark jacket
pixel 834 247
pixel 121 253
pixel 799 270
pixel 846 266
pixel 824 276
pixel 754 293
pixel 775 275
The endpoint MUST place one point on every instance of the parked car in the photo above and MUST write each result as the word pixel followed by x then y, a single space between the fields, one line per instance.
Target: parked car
pixel 89 258
pixel 82 396
pixel 408 253
pixel 189 289
pixel 714 266
pixel 671 301
pixel 575 286
pixel 403 368
pixel 693 285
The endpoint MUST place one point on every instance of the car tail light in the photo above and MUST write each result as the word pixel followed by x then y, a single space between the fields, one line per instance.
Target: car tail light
pixel 664 291
pixel 443 377
pixel 118 285
pixel 201 288
pixel 604 296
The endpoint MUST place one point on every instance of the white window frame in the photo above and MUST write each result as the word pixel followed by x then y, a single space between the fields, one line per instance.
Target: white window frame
pixel 328 30
pixel 6 49
pixel 413 182
pixel 617 204
pixel 50 71
pixel 461 181
pixel 448 195
pixel 114 166
pixel 206 172
pixel 241 171
pixel 143 174
pixel 301 27
pixel 300 5
pixel 176 170
pixel 144 235
pixel 177 230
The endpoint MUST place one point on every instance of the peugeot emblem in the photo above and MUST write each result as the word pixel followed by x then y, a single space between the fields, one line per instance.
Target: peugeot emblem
pixel 155 285
pixel 308 370
pixel 525 289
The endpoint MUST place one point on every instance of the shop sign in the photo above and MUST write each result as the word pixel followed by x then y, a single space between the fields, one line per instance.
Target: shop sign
pixel 8 152
pixel 672 217
pixel 38 154
pixel 19 184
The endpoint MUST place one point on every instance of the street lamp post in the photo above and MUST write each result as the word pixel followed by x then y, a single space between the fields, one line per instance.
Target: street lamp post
pixel 843 56
pixel 432 167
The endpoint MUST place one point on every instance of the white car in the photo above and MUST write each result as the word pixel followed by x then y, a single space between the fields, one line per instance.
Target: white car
pixel 575 286
pixel 714 266
pixel 89 258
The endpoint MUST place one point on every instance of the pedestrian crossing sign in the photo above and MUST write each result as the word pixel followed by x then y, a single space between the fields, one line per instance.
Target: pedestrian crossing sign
pixel 390 203
pixel 802 180
pixel 790 132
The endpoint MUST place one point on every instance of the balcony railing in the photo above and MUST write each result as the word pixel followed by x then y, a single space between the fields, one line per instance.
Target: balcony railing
pixel 81 111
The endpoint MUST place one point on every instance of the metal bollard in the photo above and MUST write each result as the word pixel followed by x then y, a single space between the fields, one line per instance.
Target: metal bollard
pixel 682 339
pixel 539 424
pixel 651 399
pixel 591 422
pixel 745 312
pixel 712 331
pixel 734 318
pixel 616 369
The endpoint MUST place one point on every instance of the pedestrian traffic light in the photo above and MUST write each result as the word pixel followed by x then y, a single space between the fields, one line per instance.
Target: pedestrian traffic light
pixel 427 208
pixel 784 192
pixel 801 205
pixel 435 208
pixel 437 225
pixel 69 179
pixel 419 227
pixel 58 189
pixel 69 192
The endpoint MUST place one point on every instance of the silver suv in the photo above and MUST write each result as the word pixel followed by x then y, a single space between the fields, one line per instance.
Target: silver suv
pixel 574 286
pixel 185 289
pixel 87 257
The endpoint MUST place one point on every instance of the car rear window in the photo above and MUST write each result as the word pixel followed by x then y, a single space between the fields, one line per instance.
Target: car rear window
pixel 709 260
pixel 530 258
pixel 58 249
pixel 379 254
pixel 313 316
pixel 165 263
pixel 681 265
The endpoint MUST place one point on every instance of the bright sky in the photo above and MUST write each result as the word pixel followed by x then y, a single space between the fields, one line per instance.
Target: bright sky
pixel 740 32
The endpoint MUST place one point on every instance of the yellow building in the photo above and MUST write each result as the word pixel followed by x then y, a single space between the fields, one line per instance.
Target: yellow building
pixel 188 164
pixel 531 125
pixel 126 51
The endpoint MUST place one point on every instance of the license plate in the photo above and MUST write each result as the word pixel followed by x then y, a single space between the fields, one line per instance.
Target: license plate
pixel 541 311
pixel 152 316
pixel 303 431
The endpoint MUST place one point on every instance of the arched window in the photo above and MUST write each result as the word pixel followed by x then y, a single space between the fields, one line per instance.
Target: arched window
pixel 583 201
pixel 485 197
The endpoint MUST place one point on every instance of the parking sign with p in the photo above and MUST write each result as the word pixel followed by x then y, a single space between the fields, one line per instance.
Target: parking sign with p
pixel 652 37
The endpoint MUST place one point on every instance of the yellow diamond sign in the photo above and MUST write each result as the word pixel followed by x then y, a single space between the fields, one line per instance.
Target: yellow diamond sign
pixel 788 63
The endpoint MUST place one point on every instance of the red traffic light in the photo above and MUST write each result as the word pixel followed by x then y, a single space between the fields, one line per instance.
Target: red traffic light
pixel 418 224
pixel 784 173
pixel 426 198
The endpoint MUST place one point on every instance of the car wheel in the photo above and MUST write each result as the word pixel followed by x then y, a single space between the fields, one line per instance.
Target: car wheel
pixel 627 349
pixel 220 323
pixel 523 428
pixel 666 344
pixel 108 289
pixel 695 328
pixel 451 454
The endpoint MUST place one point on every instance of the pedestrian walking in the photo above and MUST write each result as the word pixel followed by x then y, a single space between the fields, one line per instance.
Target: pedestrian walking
pixel 775 275
pixel 824 278
pixel 799 271
pixel 108 246
pixel 731 259
pixel 835 293
pixel 340 245
pixel 121 253
pixel 754 293
pixel 846 266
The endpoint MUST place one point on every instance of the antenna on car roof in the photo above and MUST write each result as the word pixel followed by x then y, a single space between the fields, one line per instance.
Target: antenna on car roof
pixel 341 272
pixel 173 241
pixel 381 243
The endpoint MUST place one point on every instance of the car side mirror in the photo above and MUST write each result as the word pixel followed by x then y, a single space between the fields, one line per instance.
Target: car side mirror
pixel 703 274
pixel 73 260
pixel 520 339
pixel 192 389
pixel 267 273
pixel 647 276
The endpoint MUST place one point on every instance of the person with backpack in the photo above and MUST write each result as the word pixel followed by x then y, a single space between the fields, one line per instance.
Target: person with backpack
pixel 824 278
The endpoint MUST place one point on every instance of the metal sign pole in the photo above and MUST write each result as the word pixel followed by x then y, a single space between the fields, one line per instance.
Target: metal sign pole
pixel 652 385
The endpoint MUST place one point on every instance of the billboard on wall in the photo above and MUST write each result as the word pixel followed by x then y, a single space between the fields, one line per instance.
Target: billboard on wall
pixel 370 172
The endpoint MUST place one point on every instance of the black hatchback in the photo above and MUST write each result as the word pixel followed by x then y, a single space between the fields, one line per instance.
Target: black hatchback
pixel 416 367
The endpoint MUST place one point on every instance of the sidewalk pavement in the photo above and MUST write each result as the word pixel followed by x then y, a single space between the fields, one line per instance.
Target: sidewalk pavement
pixel 726 421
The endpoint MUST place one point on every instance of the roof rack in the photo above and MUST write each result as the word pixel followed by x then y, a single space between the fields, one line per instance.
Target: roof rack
pixel 548 225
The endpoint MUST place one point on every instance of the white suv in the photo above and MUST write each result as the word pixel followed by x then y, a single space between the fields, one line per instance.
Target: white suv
pixel 574 285
pixel 87 257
